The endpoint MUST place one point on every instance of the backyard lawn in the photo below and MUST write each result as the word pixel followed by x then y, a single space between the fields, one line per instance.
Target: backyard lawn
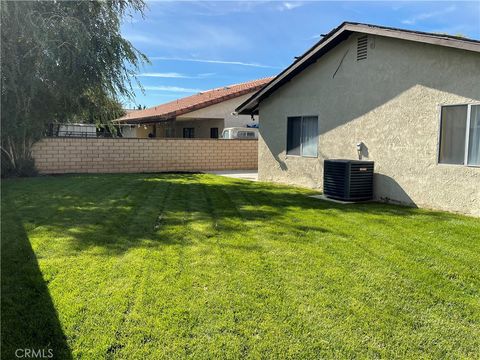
pixel 174 266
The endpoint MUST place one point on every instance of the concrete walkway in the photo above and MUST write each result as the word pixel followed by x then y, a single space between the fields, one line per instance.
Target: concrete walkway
pixel 251 175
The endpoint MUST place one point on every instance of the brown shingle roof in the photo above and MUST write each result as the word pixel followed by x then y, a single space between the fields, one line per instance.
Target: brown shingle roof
pixel 191 103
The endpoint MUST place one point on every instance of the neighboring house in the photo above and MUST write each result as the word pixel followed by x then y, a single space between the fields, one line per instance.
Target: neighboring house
pixel 203 115
pixel 411 99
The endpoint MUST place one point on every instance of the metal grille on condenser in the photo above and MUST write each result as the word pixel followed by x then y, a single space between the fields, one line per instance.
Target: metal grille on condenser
pixel 362 46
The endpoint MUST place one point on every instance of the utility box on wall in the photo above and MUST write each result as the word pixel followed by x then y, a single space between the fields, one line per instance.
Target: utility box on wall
pixel 348 180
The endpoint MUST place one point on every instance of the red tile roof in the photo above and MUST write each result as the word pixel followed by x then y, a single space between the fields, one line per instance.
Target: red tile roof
pixel 191 103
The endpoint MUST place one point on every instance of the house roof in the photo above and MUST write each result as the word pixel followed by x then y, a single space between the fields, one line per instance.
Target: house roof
pixel 188 104
pixel 341 33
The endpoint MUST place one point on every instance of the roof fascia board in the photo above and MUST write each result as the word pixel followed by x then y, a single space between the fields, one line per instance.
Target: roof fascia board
pixel 416 37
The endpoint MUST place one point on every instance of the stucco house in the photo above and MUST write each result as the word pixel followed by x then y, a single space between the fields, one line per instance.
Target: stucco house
pixel 203 115
pixel 409 100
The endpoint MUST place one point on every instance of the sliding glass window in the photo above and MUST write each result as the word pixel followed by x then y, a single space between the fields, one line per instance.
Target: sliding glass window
pixel 460 135
pixel 302 136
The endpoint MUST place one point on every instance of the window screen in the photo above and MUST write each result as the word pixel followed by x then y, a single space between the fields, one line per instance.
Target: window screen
pixel 294 126
pixel 309 136
pixel 452 134
pixel 474 136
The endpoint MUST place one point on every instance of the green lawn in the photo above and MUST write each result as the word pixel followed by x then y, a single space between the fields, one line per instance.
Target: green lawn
pixel 199 266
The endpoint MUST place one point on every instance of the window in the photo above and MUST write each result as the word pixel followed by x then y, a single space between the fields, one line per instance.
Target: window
pixel 188 133
pixel 460 135
pixel 302 135
pixel 246 135
pixel 213 133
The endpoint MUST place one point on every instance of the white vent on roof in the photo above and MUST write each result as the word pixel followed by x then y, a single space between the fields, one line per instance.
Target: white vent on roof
pixel 362 47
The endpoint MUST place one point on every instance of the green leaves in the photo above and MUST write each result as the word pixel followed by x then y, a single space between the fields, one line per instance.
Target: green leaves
pixel 63 61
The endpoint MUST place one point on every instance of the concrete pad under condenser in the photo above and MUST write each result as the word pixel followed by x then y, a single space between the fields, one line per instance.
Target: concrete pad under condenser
pixel 323 197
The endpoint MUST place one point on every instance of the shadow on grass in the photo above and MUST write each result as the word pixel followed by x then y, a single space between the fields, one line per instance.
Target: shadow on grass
pixel 139 210
pixel 30 323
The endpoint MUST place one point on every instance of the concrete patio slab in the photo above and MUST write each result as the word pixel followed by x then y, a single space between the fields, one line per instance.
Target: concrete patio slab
pixel 251 175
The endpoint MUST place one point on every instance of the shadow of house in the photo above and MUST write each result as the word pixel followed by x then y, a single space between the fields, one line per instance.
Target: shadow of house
pixel 386 184
pixel 29 319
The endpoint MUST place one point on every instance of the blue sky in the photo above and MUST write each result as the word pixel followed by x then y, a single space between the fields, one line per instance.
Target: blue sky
pixel 196 46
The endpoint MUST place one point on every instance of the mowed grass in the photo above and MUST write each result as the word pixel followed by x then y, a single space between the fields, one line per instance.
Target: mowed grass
pixel 198 266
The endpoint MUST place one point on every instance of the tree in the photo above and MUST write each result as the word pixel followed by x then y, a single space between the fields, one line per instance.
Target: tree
pixel 61 60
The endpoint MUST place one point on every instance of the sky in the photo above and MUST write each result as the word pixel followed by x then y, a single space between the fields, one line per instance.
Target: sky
pixel 195 46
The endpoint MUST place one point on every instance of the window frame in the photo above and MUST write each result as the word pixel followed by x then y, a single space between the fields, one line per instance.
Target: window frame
pixel 301 135
pixel 467 134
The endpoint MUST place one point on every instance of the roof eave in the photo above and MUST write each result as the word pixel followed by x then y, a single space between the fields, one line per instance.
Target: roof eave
pixel 341 33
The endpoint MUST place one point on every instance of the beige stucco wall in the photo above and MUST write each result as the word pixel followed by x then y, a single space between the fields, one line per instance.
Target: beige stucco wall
pixel 142 131
pixel 202 127
pixel 390 102
pixel 224 111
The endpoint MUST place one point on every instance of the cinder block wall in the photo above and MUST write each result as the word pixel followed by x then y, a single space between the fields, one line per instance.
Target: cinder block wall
pixel 73 155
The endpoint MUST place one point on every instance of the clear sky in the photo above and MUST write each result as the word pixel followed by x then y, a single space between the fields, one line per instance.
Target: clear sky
pixel 196 46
